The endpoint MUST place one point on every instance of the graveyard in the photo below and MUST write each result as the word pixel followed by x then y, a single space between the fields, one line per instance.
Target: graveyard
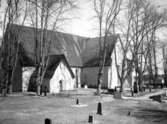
pixel 83 62
pixel 75 107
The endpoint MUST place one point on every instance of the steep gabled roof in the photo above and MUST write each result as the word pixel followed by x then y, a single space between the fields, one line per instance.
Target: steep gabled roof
pixel 60 43
pixel 90 55
pixel 53 62
pixel 79 51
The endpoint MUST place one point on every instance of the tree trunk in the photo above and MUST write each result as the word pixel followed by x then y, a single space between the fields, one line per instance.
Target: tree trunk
pixel 10 88
pixel 4 90
pixel 38 86
pixel 38 81
pixel 121 86
pixel 165 78
pixel 150 70
pixel 141 83
pixel 137 80
pixel 100 75
pixel 38 89
pixel 9 83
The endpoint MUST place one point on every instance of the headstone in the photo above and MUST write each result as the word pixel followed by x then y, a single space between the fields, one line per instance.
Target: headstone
pixel 129 113
pixel 77 102
pixel 115 89
pixel 99 109
pixel 48 121
pixel 90 120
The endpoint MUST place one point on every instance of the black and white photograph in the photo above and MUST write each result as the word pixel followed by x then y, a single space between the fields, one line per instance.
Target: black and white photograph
pixel 83 61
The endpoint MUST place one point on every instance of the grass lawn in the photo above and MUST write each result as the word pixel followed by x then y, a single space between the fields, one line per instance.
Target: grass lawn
pixel 24 109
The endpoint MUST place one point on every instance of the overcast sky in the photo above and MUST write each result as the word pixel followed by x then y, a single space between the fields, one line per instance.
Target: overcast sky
pixel 84 22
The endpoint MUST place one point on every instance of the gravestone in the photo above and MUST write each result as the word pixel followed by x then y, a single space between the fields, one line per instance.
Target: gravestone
pixel 77 101
pixel 48 121
pixel 90 120
pixel 99 109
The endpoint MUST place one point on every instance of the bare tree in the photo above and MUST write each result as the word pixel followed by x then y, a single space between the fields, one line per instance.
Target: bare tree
pixel 10 44
pixel 106 14
pixel 10 16
pixel 140 24
pixel 154 21
pixel 19 12
pixel 164 55
pixel 49 14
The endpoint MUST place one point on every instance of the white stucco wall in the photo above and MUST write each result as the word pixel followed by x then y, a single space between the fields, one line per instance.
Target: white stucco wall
pixel 110 77
pixel 119 56
pixel 61 73
pixel 26 74
pixel 114 79
pixel 90 74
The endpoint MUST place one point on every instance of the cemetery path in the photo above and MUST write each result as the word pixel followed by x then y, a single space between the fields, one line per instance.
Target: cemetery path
pixel 146 96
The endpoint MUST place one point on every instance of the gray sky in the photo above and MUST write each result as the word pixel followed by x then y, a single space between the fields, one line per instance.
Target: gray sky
pixel 84 23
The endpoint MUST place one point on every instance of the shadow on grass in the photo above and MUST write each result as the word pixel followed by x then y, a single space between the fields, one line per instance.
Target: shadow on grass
pixel 151 114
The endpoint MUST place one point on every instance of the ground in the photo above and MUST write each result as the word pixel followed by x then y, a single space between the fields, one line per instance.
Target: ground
pixel 62 109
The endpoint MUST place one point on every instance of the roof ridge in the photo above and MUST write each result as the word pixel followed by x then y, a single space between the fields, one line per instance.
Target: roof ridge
pixel 30 27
